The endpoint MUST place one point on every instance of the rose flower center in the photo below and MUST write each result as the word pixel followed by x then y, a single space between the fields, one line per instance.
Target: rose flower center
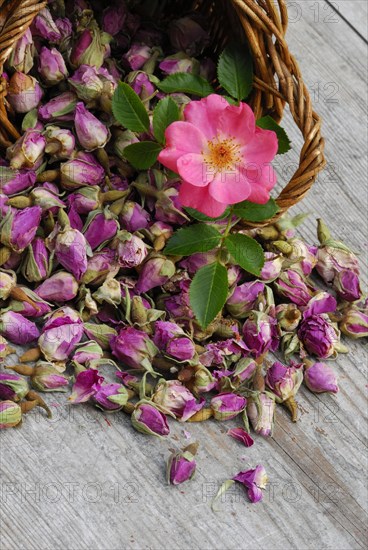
pixel 222 155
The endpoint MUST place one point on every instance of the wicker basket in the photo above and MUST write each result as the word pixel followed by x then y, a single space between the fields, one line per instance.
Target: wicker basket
pixel 277 81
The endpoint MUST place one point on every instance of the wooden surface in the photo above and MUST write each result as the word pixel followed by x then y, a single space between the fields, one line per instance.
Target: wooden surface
pixel 86 480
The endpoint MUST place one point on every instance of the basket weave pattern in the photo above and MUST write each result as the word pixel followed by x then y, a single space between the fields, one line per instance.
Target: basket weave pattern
pixel 277 77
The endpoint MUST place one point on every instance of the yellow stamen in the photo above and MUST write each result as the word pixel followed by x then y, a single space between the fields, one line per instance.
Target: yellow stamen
pixel 223 154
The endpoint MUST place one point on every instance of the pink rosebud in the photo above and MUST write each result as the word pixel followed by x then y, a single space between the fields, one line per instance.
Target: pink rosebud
pixel 168 207
pixel 39 309
pixel 113 19
pixel 355 323
pixel 141 84
pixel 293 286
pixel 179 63
pixel 318 335
pixel 347 285
pixel 187 35
pixel 24 92
pixel 253 481
pixel 60 334
pixel 15 181
pixel 88 352
pixel 319 378
pixel 147 419
pixel 27 151
pixel 19 227
pixel 134 348
pixel 60 287
pixel 64 26
pixel 87 384
pixel 133 217
pixel 260 333
pixel 245 370
pixel 35 265
pixel 181 466
pixel 155 272
pixel 241 435
pixel 81 171
pixel 10 414
pixel 44 26
pixel 179 304
pixel 13 386
pixel 261 411
pixel 100 227
pixel 99 266
pixel 174 397
pixel 87 83
pixel 322 302
pixel 196 261
pixel 131 250
pixel 52 66
pixel 272 266
pixel 307 254
pixel 60 107
pixel 284 381
pixel 92 134
pixel 46 199
pixel 60 143
pixel 70 248
pixel 17 328
pixel 244 299
pixel 85 199
pixel 47 378
pixel 111 397
pixel 137 55
pixel 226 406
pixel 172 340
pixel 333 256
pixel 90 48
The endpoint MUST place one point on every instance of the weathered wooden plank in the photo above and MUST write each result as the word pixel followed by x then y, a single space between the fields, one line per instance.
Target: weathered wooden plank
pixel 355 12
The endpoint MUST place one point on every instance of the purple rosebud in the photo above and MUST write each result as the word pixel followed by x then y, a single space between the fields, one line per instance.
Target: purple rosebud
pixel 133 217
pixel 13 386
pixel 92 134
pixel 284 381
pixel 27 151
pixel 90 48
pixel 137 55
pixel 226 406
pixel 141 84
pixel 304 253
pixel 244 299
pixel 85 199
pixel 134 348
pixel 111 397
pixel 241 435
pixel 253 481
pixel 87 352
pixel 147 419
pixel 155 272
pixel 179 63
pixel 99 266
pixel 272 266
pixel 131 250
pixel 60 334
pixel 81 171
pixel 19 227
pixel 196 261
pixel 60 143
pixel 347 285
pixel 39 309
pixel 187 35
pixel 17 328
pixel 52 66
pixel 260 333
pixel 100 227
pixel 10 414
pixel 322 302
pixel 15 181
pixel 168 207
pixel 47 378
pixel 320 377
pixel 174 397
pixel 293 286
pixel 181 466
pixel 60 107
pixel 318 335
pixel 245 370
pixel 64 26
pixel 60 287
pixel 172 340
pixel 87 384
pixel 44 26
pixel 24 92
pixel 261 411
pixel 35 265
pixel 46 199
pixel 113 19
pixel 70 248
pixel 355 323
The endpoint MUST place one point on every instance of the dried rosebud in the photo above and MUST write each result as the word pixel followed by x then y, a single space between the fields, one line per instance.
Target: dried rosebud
pixel 52 66
pixel 17 328
pixel 19 227
pixel 60 143
pixel 27 151
pixel 47 378
pixel 113 19
pixel 179 63
pixel 148 419
pixel 71 248
pixel 137 56
pixel 304 253
pixel 60 287
pixel 81 171
pixel 35 266
pixel 130 251
pixel 24 92
pixel 122 139
pixel 13 386
pixel 8 281
pixel 10 414
pixel 92 134
pixel 133 217
pixel 5 349
pixel 65 27
pixel 226 406
pixel 175 398
pixel 155 272
pixel 320 377
pixel 15 181
pixel 284 381
pixel 109 292
pixel 87 384
pixel 354 323
pixel 172 340
pixel 87 83
pixel 61 333
pixel 260 333
pixel 168 207
pixel 142 84
pixel 288 316
pixel 28 303
pixel 102 334
pixel 43 25
pixel 181 466
pixel 203 380
pixel 60 107
pixel 346 284
pixel 272 266
pixel 244 298
pixel 318 334
pixel 293 286
pixel 100 227
pixel 245 370
pixel 87 352
pixel 261 411
pixel 196 261
pixel 187 35
pixel 254 481
pixel 46 199
pixel 85 199
pixel 90 48
pixel 134 348
pixel 111 397
pixel 99 266
pixel 21 57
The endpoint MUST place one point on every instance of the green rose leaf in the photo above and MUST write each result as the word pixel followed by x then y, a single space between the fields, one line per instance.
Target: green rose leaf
pixel 129 110
pixel 142 155
pixel 194 238
pixel 256 212
pixel 166 112
pixel 193 213
pixel 235 71
pixel 187 83
pixel 246 252
pixel 208 292
pixel 267 123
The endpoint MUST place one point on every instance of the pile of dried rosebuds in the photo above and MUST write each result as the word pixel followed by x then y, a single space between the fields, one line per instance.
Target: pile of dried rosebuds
pixel 123 245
